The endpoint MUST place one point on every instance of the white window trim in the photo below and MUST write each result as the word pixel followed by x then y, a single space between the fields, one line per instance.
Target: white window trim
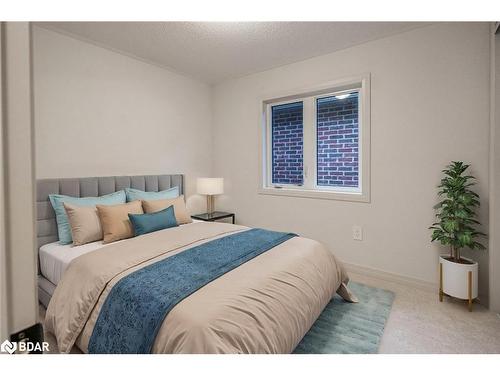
pixel 311 190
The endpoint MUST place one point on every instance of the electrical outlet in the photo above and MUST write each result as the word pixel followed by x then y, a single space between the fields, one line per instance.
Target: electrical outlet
pixel 357 233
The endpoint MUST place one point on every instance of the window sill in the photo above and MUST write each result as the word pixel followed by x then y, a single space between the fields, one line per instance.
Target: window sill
pixel 317 194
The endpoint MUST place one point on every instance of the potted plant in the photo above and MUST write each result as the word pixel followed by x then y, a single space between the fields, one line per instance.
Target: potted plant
pixel 456 228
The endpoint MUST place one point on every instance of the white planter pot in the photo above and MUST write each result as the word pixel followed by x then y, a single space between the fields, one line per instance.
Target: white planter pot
pixel 456 278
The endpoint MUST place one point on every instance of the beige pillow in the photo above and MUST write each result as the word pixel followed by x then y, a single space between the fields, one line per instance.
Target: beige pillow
pixel 115 222
pixel 84 223
pixel 181 214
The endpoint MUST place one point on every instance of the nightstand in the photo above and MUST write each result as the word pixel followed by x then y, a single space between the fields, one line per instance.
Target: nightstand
pixel 217 215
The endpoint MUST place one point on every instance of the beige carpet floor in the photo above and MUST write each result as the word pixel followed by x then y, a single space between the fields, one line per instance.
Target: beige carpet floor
pixel 419 323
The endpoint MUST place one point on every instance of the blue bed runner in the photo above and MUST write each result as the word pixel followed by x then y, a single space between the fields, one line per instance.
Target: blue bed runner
pixel 137 305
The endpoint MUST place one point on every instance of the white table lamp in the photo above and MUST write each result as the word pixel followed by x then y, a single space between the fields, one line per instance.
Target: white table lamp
pixel 210 187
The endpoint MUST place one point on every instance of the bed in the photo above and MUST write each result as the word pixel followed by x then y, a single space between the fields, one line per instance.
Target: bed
pixel 265 304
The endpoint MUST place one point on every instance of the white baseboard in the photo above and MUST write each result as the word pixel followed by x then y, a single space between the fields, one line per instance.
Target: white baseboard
pixel 391 277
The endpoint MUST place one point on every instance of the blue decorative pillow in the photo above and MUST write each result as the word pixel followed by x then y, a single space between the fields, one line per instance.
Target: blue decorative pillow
pixel 134 194
pixel 147 223
pixel 57 201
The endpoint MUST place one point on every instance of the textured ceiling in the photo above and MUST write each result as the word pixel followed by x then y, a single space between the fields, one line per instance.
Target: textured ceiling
pixel 216 51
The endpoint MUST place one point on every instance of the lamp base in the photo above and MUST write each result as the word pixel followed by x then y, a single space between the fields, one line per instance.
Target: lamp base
pixel 210 204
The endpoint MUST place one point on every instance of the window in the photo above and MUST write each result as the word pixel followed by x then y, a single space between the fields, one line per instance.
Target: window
pixel 316 143
pixel 337 130
pixel 287 144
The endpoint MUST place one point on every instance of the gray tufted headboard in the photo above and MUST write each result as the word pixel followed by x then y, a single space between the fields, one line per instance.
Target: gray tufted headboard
pixel 90 187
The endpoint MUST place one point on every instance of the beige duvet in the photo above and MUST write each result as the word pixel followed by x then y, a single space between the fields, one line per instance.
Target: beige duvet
pixel 264 306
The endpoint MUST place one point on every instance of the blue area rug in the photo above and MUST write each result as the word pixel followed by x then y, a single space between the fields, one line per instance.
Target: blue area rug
pixel 348 328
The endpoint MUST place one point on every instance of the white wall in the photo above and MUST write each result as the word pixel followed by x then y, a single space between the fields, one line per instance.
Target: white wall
pixel 100 113
pixel 19 294
pixel 430 105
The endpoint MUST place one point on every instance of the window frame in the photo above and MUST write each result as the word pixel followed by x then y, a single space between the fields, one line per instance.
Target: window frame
pixel 309 97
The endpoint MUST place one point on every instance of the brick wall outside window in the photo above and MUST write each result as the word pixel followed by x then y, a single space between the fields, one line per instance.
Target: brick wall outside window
pixel 337 141
pixel 287 143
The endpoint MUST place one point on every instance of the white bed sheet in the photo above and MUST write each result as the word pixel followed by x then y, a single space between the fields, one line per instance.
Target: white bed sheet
pixel 55 258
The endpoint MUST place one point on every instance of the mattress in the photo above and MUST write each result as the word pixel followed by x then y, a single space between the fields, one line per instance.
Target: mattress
pixel 55 258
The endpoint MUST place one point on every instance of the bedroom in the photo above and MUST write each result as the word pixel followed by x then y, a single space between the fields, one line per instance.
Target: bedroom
pixel 113 142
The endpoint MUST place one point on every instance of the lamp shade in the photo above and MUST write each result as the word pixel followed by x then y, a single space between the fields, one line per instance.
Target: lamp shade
pixel 210 186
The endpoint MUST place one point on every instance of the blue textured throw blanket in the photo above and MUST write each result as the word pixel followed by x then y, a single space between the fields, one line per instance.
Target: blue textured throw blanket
pixel 137 305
